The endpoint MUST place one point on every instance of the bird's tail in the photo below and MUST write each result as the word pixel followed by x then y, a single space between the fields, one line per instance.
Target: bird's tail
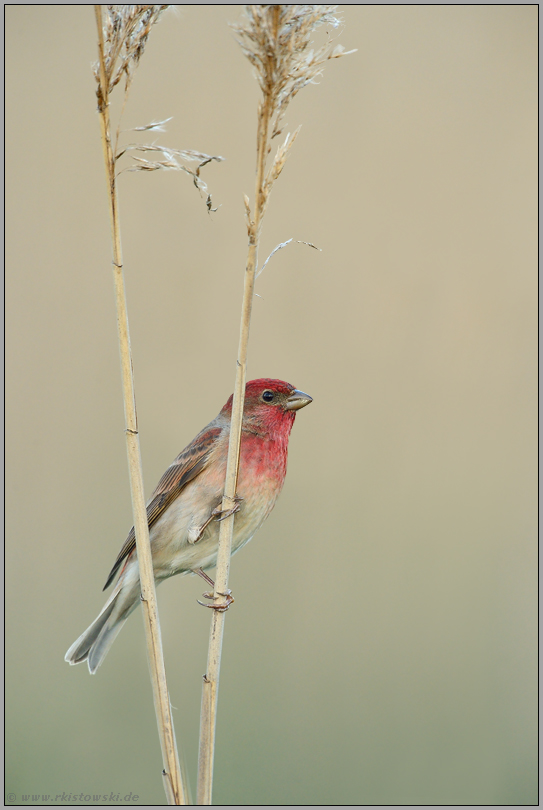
pixel 93 645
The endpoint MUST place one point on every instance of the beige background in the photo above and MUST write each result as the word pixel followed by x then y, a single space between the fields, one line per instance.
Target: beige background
pixel 382 645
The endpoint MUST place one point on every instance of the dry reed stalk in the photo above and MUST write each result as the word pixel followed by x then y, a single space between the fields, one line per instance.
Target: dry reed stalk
pixel 121 40
pixel 276 39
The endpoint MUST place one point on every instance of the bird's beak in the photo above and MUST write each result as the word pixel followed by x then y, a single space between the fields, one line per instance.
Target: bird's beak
pixel 297 400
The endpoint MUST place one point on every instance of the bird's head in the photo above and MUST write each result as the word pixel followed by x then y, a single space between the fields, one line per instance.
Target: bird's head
pixel 270 405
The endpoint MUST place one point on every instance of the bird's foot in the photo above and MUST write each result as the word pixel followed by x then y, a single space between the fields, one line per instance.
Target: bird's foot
pixel 228 598
pixel 222 606
pixel 217 514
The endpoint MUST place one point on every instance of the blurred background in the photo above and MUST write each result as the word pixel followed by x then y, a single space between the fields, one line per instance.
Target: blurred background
pixel 382 648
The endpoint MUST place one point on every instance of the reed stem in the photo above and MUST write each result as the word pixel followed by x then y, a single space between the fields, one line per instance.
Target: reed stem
pixel 175 787
pixel 277 40
pixel 210 688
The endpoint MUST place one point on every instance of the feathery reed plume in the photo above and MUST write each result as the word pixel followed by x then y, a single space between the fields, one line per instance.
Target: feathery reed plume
pixel 126 29
pixel 171 161
pixel 122 35
pixel 277 41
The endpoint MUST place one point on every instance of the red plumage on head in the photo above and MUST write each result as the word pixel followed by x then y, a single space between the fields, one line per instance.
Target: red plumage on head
pixel 255 388
pixel 271 417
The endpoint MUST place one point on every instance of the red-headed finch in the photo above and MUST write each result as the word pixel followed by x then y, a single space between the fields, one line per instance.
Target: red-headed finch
pixel 184 509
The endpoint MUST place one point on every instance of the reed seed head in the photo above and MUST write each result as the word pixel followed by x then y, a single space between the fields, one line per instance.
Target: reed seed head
pixel 126 29
pixel 277 40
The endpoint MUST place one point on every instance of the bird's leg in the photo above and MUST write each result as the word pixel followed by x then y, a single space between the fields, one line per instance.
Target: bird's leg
pixel 202 573
pixel 201 530
pixel 228 598
pixel 217 514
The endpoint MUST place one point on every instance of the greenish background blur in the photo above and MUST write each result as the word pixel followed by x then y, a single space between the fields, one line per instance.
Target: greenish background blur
pixel 382 648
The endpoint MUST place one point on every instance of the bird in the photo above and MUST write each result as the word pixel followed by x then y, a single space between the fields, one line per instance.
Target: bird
pixel 184 511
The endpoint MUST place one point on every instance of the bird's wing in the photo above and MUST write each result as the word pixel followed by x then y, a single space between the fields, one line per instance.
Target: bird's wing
pixel 188 464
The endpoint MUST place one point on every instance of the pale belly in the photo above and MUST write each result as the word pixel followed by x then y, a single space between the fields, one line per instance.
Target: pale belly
pixel 175 541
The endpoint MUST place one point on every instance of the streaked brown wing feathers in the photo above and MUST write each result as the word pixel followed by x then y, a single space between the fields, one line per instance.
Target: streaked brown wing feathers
pixel 188 464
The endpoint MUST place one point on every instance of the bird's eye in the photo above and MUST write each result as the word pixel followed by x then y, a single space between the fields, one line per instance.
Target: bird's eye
pixel 268 396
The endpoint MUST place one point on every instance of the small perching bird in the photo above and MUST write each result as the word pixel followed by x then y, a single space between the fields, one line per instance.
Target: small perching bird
pixel 184 510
